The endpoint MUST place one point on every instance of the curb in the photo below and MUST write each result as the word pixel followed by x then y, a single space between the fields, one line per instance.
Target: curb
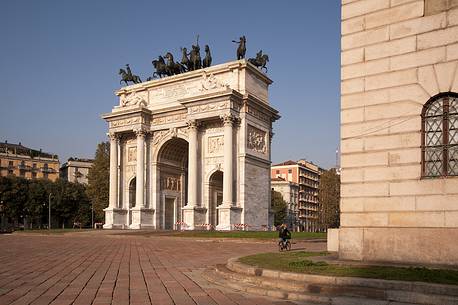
pixel 329 289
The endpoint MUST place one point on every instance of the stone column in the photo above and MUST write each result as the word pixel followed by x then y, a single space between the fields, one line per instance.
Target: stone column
pixel 228 187
pixel 192 211
pixel 113 202
pixel 192 164
pixel 228 213
pixel 140 183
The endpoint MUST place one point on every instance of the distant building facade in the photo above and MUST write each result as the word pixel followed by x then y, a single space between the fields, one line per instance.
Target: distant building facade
pixel 307 176
pixel 21 161
pixel 76 170
pixel 290 193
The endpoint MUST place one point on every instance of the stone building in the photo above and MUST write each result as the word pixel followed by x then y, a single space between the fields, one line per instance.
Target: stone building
pixel 76 170
pixel 399 131
pixel 21 161
pixel 290 193
pixel 307 176
pixel 192 151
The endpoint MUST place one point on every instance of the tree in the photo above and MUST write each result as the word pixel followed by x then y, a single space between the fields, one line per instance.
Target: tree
pixel 279 207
pixel 14 193
pixel 99 180
pixel 26 202
pixel 69 199
pixel 329 198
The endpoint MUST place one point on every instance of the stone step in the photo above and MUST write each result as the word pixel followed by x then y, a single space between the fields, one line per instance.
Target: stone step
pixel 323 291
pixel 226 278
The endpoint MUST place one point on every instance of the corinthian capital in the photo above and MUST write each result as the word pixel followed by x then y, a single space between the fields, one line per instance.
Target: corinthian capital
pixel 193 124
pixel 113 136
pixel 228 119
pixel 140 133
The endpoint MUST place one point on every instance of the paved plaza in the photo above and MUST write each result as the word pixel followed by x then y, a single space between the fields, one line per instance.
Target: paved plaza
pixel 99 268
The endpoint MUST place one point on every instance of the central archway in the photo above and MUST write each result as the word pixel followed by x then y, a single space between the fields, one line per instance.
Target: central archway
pixel 172 167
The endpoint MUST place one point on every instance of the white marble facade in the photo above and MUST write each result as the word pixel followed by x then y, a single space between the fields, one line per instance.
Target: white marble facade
pixel 192 151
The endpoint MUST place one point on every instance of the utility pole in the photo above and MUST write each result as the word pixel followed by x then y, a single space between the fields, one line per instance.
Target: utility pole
pixel 49 211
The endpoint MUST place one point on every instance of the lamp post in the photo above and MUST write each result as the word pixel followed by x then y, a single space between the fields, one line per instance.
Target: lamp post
pixel 92 214
pixel 49 211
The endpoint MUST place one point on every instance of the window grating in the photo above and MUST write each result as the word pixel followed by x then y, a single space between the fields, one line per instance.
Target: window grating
pixel 440 136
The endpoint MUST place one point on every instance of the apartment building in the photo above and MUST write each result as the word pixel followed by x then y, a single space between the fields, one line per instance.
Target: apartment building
pixel 21 161
pixel 76 170
pixel 307 176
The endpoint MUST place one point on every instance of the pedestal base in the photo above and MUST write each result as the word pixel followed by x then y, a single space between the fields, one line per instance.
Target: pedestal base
pixel 193 217
pixel 115 218
pixel 142 218
pixel 228 217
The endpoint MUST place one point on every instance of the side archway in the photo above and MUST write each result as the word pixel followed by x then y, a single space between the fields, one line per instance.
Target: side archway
pixel 215 196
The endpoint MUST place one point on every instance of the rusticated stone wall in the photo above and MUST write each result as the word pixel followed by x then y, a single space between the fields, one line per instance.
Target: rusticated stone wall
pixel 396 55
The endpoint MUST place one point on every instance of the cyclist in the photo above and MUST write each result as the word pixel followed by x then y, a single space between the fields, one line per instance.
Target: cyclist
pixel 284 234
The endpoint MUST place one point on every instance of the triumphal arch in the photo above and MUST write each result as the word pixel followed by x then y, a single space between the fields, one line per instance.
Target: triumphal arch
pixel 192 151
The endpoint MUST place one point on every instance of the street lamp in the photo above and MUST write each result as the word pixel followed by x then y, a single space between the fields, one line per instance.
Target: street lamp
pixel 49 211
pixel 92 214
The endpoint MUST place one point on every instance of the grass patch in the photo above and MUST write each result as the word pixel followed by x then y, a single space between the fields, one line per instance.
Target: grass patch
pixel 230 234
pixel 296 261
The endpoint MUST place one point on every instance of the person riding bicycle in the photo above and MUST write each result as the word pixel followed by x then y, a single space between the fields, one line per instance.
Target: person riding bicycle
pixel 284 234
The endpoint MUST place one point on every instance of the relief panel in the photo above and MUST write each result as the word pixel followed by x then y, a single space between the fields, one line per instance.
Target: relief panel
pixel 215 144
pixel 132 154
pixel 170 183
pixel 256 139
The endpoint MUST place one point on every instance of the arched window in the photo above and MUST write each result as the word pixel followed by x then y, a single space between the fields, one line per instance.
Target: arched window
pixel 440 136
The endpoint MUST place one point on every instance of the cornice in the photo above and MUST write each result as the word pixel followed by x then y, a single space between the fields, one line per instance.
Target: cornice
pixel 217 69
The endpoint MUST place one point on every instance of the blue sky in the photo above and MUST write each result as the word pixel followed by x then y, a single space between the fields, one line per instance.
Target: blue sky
pixel 59 62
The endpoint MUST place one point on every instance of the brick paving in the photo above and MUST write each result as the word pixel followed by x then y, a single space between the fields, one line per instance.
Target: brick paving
pixel 101 269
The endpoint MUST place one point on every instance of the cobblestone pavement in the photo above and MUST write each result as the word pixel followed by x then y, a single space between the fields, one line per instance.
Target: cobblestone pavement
pixel 101 269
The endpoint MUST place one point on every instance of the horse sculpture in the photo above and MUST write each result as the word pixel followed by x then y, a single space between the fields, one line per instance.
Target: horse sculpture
pixel 172 67
pixel 128 77
pixel 260 61
pixel 241 50
pixel 160 66
pixel 185 60
pixel 208 58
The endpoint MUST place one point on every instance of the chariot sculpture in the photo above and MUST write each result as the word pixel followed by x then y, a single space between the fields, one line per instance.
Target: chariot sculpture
pixel 166 65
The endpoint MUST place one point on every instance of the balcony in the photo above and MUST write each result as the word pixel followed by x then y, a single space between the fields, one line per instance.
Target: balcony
pixel 24 167
pixel 48 170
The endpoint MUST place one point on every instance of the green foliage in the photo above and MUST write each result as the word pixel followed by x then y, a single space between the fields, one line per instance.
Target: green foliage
pixel 99 180
pixel 26 202
pixel 329 198
pixel 279 207
pixel 294 262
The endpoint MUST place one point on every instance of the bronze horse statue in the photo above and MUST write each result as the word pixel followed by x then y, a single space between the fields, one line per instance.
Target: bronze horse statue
pixel 185 60
pixel 172 67
pixel 208 57
pixel 160 66
pixel 260 61
pixel 128 77
pixel 241 50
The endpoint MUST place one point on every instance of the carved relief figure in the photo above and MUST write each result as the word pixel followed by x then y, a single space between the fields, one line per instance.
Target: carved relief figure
pixel 134 99
pixel 131 154
pixel 215 144
pixel 211 82
pixel 171 183
pixel 256 139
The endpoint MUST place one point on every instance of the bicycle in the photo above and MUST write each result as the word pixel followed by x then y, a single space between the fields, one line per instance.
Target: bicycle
pixel 284 245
